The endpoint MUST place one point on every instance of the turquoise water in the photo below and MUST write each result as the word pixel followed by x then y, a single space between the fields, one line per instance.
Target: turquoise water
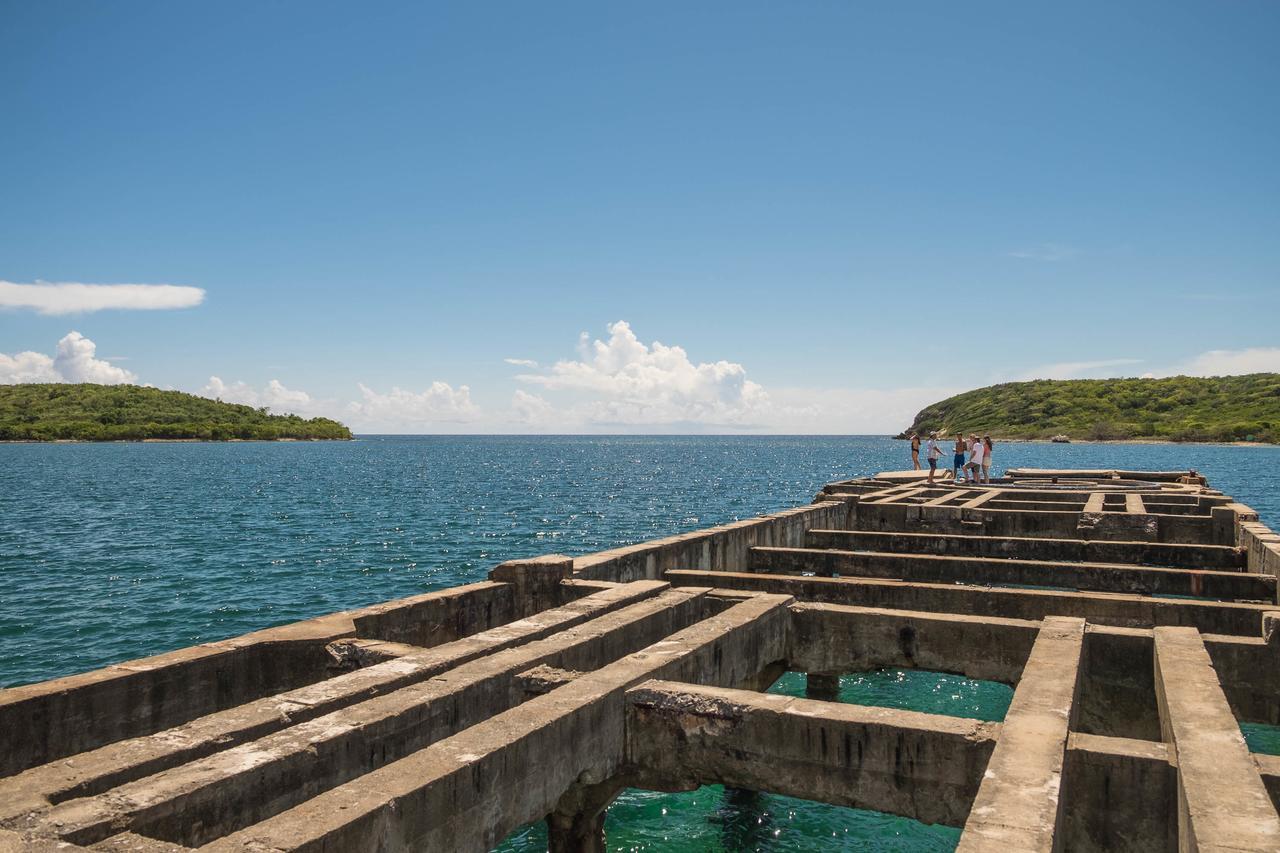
pixel 915 690
pixel 1262 738
pixel 114 551
pixel 713 819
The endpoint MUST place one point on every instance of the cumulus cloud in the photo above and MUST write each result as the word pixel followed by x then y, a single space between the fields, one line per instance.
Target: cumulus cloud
pixel 633 383
pixel 439 403
pixel 521 362
pixel 74 298
pixel 534 411
pixel 274 395
pixel 27 367
pixel 74 360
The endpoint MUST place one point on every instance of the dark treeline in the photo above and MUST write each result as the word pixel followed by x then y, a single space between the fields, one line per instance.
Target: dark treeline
pixel 85 412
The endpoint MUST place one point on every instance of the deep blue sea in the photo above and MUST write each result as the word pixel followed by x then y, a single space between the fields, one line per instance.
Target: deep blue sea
pixel 114 551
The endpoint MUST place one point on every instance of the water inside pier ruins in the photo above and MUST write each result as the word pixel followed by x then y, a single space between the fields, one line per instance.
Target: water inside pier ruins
pixel 1134 615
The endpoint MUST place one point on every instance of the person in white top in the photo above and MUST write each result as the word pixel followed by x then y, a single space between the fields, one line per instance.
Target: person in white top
pixel 976 451
pixel 934 453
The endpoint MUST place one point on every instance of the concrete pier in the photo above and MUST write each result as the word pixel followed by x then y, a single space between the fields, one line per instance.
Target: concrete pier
pixel 1133 613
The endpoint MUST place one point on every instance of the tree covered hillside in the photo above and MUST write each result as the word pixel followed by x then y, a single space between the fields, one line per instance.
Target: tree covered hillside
pixel 1180 408
pixel 47 412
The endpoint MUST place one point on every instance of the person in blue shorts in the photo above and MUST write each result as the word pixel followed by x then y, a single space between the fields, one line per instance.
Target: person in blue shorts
pixel 957 469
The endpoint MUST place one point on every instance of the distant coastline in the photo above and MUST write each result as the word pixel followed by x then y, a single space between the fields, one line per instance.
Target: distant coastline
pixel 42 413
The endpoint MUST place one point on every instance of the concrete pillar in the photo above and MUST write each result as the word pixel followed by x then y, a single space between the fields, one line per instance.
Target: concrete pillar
pixel 536 581
pixel 822 686
pixel 578 833
pixel 1271 629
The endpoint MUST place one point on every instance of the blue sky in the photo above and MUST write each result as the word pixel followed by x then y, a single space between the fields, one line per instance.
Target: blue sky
pixel 836 211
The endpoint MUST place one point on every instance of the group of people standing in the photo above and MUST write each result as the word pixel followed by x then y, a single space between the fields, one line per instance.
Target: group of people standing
pixel 976 468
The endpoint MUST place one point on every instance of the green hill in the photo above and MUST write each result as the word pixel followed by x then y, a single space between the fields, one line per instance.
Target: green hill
pixel 49 412
pixel 1180 408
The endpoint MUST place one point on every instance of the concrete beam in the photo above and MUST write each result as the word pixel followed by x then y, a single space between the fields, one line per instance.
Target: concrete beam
pixel 1153 554
pixel 839 638
pixel 1017 808
pixel 723 547
pixel 947 498
pixel 922 766
pixel 1222 802
pixel 124 761
pixel 980 499
pixel 196 802
pixel 1132 611
pixel 1101 577
pixel 443 797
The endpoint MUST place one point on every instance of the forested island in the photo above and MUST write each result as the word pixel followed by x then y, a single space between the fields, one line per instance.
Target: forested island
pixel 1179 408
pixel 85 412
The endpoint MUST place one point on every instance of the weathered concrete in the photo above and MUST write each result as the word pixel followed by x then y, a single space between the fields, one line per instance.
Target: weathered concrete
pixel 1101 577
pixel 716 548
pixel 444 721
pixel 923 766
pixel 1155 554
pixel 442 797
pixel 1222 803
pixel 1134 611
pixel 1018 806
pixel 202 799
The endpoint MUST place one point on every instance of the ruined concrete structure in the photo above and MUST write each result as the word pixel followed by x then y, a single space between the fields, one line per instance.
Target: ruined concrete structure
pixel 1134 614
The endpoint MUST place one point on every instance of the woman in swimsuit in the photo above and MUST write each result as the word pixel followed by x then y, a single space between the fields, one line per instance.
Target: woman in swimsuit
pixel 915 450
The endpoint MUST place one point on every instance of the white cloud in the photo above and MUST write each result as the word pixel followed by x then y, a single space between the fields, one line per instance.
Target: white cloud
pixel 74 298
pixel 534 411
pixel 632 383
pixel 27 367
pixel 851 411
pixel 521 362
pixel 1224 362
pixel 1051 252
pixel 399 409
pixel 1077 369
pixel 74 360
pixel 274 395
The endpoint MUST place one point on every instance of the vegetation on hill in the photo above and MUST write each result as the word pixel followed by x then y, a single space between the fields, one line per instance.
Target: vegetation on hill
pixel 1180 408
pixel 49 412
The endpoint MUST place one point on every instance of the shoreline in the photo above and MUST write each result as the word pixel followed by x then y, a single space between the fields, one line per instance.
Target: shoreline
pixel 167 440
pixel 1124 441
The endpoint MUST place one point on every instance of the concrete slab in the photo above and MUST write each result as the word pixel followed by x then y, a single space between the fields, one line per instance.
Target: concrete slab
pixel 1222 802
pixel 1018 805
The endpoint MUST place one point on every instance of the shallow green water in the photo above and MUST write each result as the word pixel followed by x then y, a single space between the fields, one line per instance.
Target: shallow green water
pixel 713 819
pixel 1262 738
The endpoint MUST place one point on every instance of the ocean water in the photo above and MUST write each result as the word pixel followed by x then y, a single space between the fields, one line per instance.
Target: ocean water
pixel 110 552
